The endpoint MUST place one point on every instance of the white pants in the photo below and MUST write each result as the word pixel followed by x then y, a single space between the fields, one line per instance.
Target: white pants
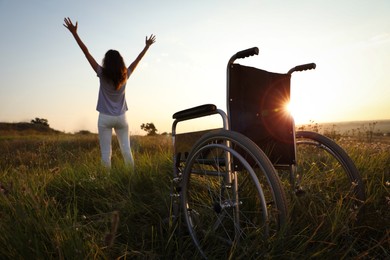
pixel 105 125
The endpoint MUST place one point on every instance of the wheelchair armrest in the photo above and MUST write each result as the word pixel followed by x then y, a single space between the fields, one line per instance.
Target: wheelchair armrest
pixel 199 111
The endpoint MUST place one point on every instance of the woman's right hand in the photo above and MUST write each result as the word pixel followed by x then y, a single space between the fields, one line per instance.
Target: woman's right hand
pixel 149 41
pixel 71 27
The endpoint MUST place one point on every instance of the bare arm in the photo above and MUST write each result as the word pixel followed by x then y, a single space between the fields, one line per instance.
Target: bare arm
pixel 73 30
pixel 148 42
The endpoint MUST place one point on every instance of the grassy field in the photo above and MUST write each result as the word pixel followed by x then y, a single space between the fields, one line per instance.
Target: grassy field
pixel 57 202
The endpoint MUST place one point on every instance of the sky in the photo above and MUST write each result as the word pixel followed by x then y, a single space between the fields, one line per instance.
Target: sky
pixel 44 73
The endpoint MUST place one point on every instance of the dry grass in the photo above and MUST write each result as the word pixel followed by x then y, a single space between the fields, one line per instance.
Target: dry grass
pixel 56 202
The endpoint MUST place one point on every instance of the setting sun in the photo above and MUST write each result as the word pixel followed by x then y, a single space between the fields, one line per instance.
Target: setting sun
pixel 295 111
pixel 303 110
pixel 289 108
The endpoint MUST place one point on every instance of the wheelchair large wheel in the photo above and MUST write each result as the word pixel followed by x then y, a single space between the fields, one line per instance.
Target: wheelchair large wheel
pixel 232 198
pixel 327 173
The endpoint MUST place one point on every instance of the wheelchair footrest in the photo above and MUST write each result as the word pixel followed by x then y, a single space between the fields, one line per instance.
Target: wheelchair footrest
pixel 194 112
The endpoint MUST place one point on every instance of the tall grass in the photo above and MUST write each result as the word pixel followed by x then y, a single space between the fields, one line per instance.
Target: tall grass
pixel 57 202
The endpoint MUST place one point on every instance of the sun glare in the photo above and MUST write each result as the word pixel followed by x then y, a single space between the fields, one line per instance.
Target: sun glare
pixel 289 108
pixel 299 113
pixel 304 111
pixel 305 104
pixel 292 110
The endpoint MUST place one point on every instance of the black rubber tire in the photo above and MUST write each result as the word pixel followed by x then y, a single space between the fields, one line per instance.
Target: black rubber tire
pixel 323 166
pixel 225 219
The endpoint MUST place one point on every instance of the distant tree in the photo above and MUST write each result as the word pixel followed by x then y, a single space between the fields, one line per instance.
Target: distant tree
pixel 40 121
pixel 83 132
pixel 149 128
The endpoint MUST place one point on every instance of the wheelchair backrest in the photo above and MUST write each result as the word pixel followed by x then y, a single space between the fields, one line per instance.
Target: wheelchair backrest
pixel 257 107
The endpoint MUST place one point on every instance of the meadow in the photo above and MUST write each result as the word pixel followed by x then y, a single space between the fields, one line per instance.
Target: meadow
pixel 57 202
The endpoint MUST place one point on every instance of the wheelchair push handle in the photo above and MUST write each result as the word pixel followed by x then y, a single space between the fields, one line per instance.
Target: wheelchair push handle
pixel 246 53
pixel 309 66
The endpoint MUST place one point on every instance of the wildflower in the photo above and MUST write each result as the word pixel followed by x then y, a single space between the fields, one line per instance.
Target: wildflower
pixel 353 214
pixel 388 200
pixel 54 170
pixel 3 189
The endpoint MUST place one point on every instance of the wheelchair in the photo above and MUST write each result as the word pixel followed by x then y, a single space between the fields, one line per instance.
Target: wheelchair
pixel 227 182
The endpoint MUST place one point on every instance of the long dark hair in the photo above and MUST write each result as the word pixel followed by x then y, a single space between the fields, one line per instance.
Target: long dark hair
pixel 114 68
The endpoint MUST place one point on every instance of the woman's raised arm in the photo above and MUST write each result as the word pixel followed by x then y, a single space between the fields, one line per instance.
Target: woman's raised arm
pixel 148 41
pixel 73 30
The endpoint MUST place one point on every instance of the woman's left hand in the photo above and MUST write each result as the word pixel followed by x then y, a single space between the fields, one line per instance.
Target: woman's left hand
pixel 71 27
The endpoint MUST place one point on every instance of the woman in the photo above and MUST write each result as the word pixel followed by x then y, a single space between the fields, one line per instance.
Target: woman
pixel 111 104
